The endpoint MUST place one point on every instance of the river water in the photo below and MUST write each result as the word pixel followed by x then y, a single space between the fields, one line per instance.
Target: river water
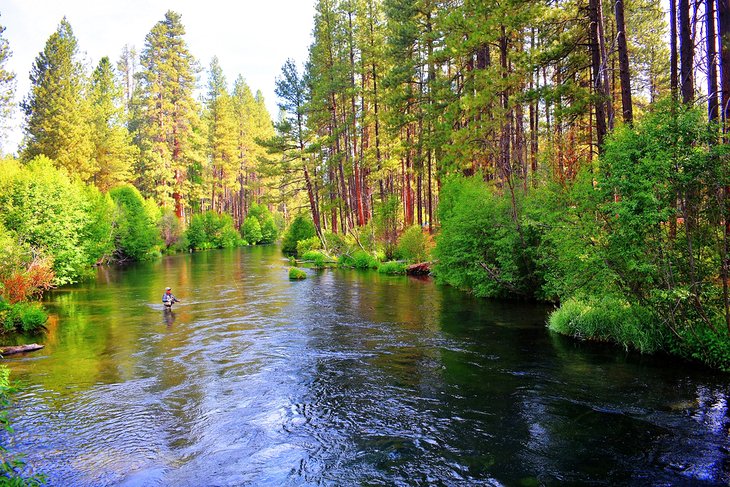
pixel 347 378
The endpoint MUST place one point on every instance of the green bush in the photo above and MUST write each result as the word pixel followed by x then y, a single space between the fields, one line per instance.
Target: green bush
pixel 137 236
pixel 54 216
pixel 363 260
pixel 413 245
pixel 171 230
pixel 297 274
pixel 337 244
pixel 301 228
pixel 251 230
pixel 269 230
pixel 392 268
pixel 25 317
pixel 481 247
pixel 210 230
pixel 308 244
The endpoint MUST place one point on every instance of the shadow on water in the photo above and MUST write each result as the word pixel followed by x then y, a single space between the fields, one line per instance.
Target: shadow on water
pixel 345 378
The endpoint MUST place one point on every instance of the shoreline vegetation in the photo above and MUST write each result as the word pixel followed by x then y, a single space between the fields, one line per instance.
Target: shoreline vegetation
pixel 502 161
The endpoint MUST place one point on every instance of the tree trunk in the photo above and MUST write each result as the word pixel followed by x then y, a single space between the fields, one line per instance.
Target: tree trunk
pixel 623 59
pixel 686 53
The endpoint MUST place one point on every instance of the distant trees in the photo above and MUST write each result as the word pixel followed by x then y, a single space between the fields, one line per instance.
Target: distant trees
pixel 7 84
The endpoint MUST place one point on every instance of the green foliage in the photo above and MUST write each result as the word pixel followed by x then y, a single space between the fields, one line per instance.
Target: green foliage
pixel 359 260
pixel 57 115
pixel 210 230
pixel 392 268
pixel 53 216
pixel 269 230
pixel 482 246
pixel 26 317
pixel 312 243
pixel 609 320
pixel 385 224
pixel 413 245
pixel 301 228
pixel 318 259
pixel 137 236
pixel 296 274
pixel 251 230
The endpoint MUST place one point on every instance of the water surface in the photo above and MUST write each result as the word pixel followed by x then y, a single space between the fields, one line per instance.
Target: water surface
pixel 346 378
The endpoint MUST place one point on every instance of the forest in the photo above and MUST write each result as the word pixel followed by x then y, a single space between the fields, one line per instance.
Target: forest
pixel 570 151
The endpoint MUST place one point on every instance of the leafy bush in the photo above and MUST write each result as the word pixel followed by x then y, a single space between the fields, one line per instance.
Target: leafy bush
pixel 301 228
pixel 362 260
pixel 304 246
pixel 297 274
pixel 413 245
pixel 51 215
pixel 251 230
pixel 210 230
pixel 482 247
pixel 269 230
pixel 137 236
pixel 385 223
pixel 392 268
pixel 22 316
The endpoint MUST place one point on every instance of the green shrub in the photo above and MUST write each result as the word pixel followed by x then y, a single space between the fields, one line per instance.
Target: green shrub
pixel 364 260
pixel 301 228
pixel 392 268
pixel 251 229
pixel 210 230
pixel 137 236
pixel 297 274
pixel 269 230
pixel 480 247
pixel 52 215
pixel 413 245
pixel 25 317
pixel 308 244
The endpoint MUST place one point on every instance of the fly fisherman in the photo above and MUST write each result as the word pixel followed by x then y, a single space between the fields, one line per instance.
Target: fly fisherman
pixel 168 299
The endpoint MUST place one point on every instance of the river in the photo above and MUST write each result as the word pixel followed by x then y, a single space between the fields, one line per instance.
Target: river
pixel 346 378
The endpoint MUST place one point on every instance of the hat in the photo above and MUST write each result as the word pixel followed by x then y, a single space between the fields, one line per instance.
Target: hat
pixel 168 288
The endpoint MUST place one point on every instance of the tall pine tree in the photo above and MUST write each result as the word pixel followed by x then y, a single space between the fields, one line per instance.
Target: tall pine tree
pixel 57 115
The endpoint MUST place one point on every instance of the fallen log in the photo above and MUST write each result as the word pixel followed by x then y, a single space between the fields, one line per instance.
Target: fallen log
pixel 422 269
pixel 20 349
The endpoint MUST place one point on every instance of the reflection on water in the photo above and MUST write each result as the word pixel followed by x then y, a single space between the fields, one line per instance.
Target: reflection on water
pixel 346 378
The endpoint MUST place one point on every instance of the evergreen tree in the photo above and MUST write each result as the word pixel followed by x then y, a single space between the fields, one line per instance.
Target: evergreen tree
pixel 166 114
pixel 113 151
pixel 221 138
pixel 57 115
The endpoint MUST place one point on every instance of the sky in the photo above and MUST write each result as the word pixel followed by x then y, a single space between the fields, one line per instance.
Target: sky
pixel 252 38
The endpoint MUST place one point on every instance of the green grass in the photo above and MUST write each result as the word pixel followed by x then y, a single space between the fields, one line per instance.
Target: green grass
pixel 392 268
pixel 296 274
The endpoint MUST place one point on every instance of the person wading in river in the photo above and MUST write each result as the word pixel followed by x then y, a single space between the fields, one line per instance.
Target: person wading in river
pixel 168 299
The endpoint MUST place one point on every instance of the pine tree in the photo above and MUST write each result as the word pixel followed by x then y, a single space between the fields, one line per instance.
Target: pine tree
pixel 166 113
pixel 113 153
pixel 221 139
pixel 7 85
pixel 57 115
